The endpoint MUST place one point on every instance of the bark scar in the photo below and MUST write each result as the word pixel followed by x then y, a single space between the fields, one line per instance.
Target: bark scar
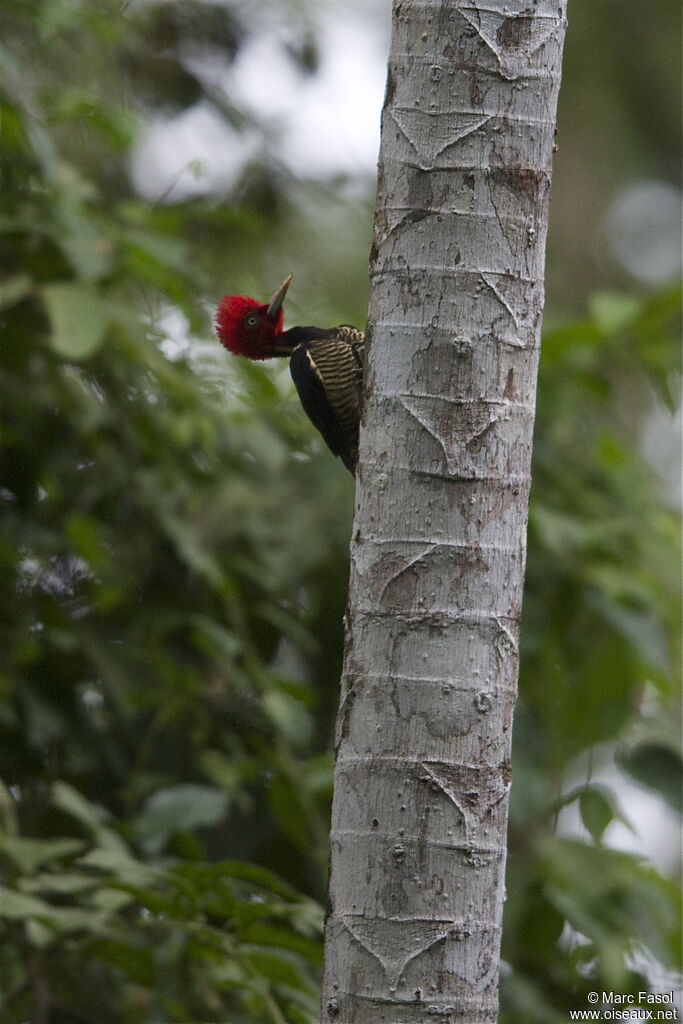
pixel 454 425
pixel 395 943
pixel 431 133
pixel 512 39
pixel 493 283
pixel 505 643
pixel 398 572
pixel 474 791
pixel 449 792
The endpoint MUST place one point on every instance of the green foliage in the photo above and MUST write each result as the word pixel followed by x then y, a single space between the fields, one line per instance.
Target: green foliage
pixel 173 549
pixel 600 640
pixel 602 544
pixel 168 939
pixel 162 558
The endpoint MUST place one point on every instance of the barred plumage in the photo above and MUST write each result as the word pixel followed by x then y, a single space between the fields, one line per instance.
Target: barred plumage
pixel 328 374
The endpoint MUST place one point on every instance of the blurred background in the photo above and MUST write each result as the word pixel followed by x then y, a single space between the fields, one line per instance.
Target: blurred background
pixel 174 538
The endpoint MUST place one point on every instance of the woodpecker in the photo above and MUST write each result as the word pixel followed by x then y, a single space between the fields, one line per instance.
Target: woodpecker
pixel 326 363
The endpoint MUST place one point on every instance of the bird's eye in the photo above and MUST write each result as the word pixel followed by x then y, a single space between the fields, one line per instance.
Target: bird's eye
pixel 252 320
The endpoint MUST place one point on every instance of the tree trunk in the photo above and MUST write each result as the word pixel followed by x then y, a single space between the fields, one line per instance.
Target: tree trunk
pixel 423 747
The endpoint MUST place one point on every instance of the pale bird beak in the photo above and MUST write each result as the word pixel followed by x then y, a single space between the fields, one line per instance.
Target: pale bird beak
pixel 275 303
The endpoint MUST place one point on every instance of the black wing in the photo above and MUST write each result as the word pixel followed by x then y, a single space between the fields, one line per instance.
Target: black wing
pixel 311 390
pixel 327 374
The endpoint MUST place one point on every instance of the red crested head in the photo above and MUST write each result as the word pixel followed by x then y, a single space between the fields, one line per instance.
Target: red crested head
pixel 250 329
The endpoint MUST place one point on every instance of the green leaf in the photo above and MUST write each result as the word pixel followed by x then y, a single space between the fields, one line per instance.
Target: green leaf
pixel 91 816
pixel 290 813
pixel 523 994
pixel 124 868
pixel 657 767
pixel 613 899
pixel 137 964
pixel 277 967
pixel 642 627
pixel 38 933
pixel 612 311
pixel 18 906
pixel 61 884
pixel 253 874
pixel 79 316
pixel 14 289
pixel 285 938
pixel 85 535
pixel 30 854
pixel 532 925
pixel 110 900
pixel 178 809
pixel 597 811
pixel 115 124
pixel 69 800
pixel 288 715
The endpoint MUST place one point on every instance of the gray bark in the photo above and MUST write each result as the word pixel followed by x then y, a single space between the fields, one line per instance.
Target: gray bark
pixel 423 747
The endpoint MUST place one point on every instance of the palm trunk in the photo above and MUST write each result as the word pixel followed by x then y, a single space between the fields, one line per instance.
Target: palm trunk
pixel 423 755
